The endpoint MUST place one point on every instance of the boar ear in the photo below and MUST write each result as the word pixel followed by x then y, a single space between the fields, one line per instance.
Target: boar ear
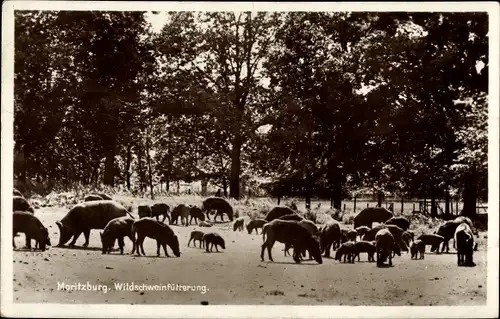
pixel 58 223
pixel 100 233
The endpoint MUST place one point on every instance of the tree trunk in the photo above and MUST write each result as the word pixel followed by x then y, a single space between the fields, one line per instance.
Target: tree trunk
pixel 109 166
pixel 139 169
pixel 447 202
pixel 308 190
pixel 354 208
pixel 380 197
pixel 402 203
pixel 235 166
pixel 127 166
pixel 150 172
pixel 470 194
pixel 204 187
pixel 433 202
pixel 178 187
pixel 224 184
pixel 167 185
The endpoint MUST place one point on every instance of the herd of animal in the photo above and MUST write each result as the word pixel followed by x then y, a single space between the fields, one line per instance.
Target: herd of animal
pixel 282 224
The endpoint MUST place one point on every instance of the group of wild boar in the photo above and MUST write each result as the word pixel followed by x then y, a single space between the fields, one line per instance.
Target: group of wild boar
pixel 282 224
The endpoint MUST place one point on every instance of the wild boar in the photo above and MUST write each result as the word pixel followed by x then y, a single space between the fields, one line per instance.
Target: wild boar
pixel 362 230
pixel 385 244
pixel 364 247
pixel 21 204
pixel 30 225
pixel 196 235
pixel 432 240
pixel 291 233
pixel 213 239
pixel 329 235
pixel 181 211
pixel 160 209
pixel 162 233
pixel 220 205
pixel 399 221
pixel 238 224
pixel 279 211
pixel 196 213
pixel 117 228
pixel 464 240
pixel 255 224
pixel 418 246
pixel 346 250
pixel 144 211
pixel 371 214
pixel 86 216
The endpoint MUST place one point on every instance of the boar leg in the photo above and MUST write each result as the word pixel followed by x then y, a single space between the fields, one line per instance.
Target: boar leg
pixel 28 242
pixel 121 244
pixel 138 245
pixel 165 249
pixel 75 237
pixel 157 248
pixel 86 233
pixel 132 239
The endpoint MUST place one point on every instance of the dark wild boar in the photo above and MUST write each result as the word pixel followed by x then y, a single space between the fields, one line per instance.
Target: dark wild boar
pixel 418 246
pixel 86 216
pixel 160 209
pixel 117 228
pixel 196 235
pixel 385 244
pixel 364 247
pixel 21 204
pixel 464 240
pixel 181 211
pixel 367 216
pixel 220 205
pixel 291 233
pixel 255 224
pixel 30 225
pixel 238 224
pixel 162 233
pixel 399 221
pixel 144 211
pixel 279 211
pixel 213 239
pixel 330 235
pixel 345 250
pixel 196 213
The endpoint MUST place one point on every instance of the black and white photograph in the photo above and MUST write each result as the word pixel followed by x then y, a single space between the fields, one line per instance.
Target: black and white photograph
pixel 200 157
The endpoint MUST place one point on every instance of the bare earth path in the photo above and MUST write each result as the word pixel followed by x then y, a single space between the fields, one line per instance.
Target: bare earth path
pixel 237 276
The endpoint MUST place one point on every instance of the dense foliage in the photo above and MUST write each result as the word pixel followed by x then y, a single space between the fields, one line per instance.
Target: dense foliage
pixel 318 103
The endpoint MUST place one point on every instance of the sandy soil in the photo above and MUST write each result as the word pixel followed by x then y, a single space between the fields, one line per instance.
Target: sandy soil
pixel 237 276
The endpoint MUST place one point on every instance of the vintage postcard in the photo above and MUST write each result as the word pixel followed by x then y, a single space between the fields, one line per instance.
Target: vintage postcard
pixel 250 159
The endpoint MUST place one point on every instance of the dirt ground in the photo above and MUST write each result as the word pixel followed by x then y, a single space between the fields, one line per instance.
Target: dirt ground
pixel 236 275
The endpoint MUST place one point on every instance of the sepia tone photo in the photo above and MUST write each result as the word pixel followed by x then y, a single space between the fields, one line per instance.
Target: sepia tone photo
pixel 249 156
